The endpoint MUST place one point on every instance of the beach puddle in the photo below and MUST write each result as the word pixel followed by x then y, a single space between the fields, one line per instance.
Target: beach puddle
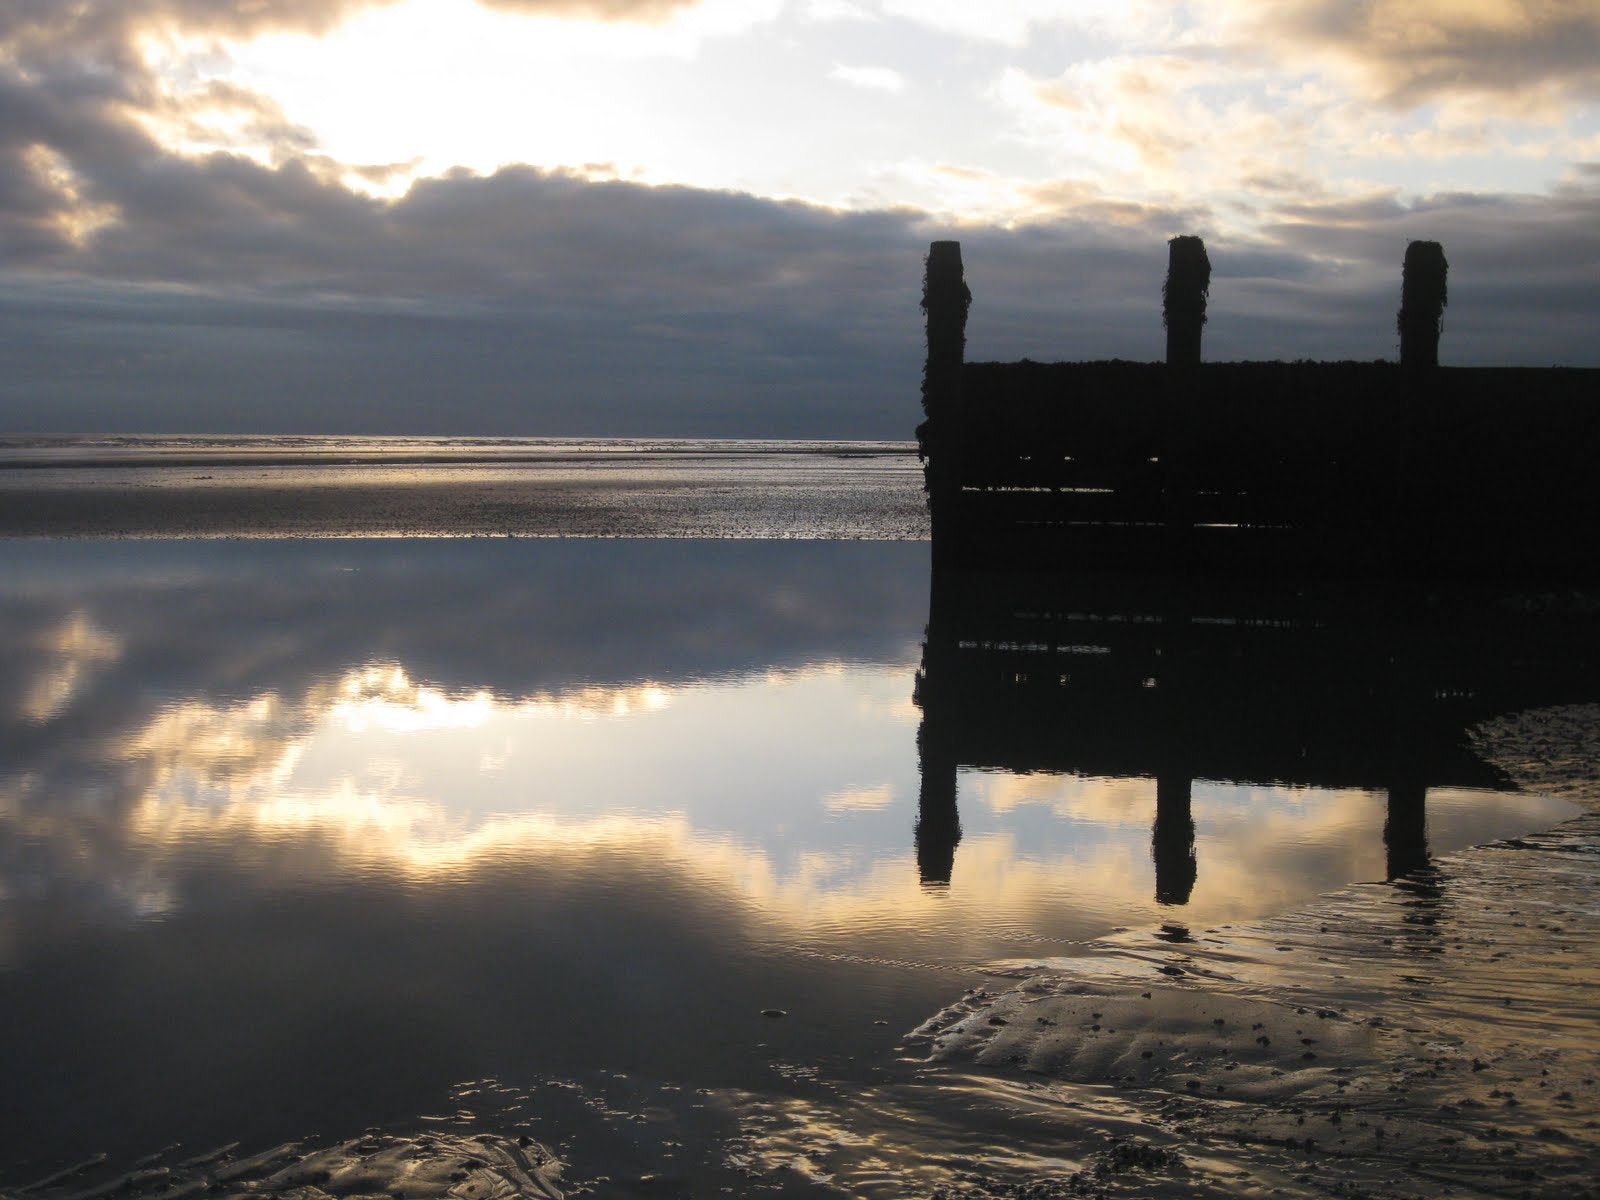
pixel 765 867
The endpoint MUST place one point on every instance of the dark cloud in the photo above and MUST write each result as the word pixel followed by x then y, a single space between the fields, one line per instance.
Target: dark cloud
pixel 1524 269
pixel 1415 51
pixel 534 302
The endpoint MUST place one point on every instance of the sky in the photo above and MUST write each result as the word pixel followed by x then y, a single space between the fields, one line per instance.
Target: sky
pixel 708 217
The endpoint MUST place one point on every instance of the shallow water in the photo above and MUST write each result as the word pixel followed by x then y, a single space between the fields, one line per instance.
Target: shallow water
pixel 301 837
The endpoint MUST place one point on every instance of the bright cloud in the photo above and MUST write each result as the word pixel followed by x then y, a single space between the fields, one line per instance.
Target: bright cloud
pixel 1011 22
pixel 836 10
pixel 881 79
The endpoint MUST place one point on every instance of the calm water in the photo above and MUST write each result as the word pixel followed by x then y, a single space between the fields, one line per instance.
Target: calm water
pixel 298 836
pixel 215 487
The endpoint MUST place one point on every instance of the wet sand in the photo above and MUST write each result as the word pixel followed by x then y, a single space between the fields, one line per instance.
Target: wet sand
pixel 423 1167
pixel 1436 1037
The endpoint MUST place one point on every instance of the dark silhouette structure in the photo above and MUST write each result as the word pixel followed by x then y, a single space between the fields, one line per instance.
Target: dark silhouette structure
pixel 1403 468
pixel 1183 299
pixel 945 300
pixel 1330 684
pixel 1423 295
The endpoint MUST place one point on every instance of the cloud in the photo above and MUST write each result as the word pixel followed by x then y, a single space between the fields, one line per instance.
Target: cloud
pixel 1013 22
pixel 538 302
pixel 112 25
pixel 31 23
pixel 649 11
pixel 836 10
pixel 1530 54
pixel 667 294
pixel 881 79
pixel 1142 112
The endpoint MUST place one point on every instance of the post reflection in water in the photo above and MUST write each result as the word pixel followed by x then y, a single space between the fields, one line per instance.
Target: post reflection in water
pixel 1172 840
pixel 1186 680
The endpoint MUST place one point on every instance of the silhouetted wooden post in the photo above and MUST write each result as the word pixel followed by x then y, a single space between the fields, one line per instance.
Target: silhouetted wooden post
pixel 1423 297
pixel 1183 307
pixel 945 300
pixel 1183 312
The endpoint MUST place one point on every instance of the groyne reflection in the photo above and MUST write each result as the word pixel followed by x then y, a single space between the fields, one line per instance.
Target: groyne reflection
pixel 1181 680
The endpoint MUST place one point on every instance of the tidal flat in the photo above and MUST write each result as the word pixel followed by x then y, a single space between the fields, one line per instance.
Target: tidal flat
pixel 669 866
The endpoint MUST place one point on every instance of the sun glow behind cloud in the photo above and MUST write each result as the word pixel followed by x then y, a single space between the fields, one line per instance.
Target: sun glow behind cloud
pixel 447 84
pixel 1148 102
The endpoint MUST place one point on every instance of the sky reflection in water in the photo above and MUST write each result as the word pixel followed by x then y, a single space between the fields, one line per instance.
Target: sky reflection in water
pixel 302 833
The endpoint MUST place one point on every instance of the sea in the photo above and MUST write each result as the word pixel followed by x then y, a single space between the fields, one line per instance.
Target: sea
pixel 329 486
pixel 84 450
pixel 640 799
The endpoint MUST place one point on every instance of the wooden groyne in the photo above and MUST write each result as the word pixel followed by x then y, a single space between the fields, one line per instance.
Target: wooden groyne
pixel 1393 467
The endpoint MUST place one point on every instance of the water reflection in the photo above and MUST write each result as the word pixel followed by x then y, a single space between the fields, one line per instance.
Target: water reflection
pixel 1186 682
pixel 298 835
pixel 584 694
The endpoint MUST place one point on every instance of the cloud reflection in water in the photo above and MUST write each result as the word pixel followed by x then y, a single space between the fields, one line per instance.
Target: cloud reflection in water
pixel 763 745
pixel 406 814
pixel 781 775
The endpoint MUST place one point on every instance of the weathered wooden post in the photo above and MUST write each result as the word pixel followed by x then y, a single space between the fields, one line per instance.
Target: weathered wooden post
pixel 1183 312
pixel 945 300
pixel 1423 297
pixel 1183 296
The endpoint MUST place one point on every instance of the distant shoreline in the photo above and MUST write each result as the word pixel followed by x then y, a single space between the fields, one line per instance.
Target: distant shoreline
pixel 79 452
